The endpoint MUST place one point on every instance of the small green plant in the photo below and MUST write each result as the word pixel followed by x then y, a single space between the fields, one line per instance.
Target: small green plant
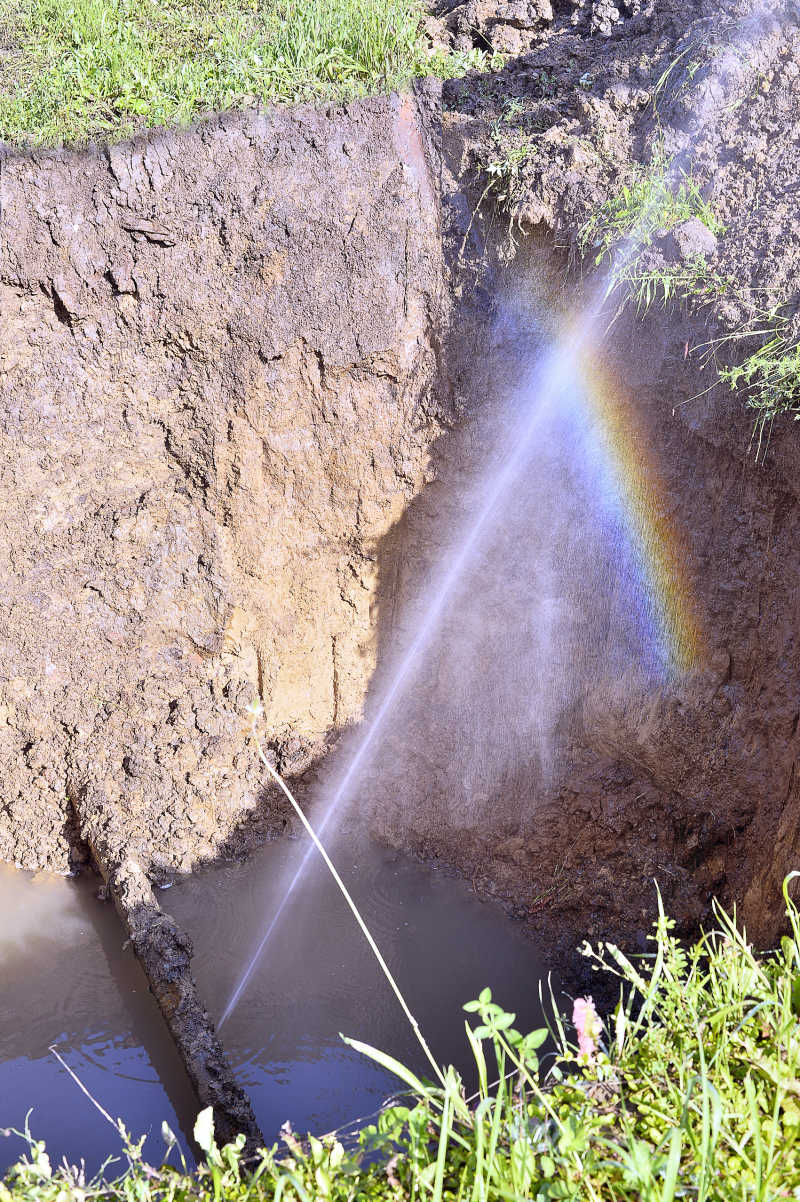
pixel 768 377
pixel 658 198
pixel 770 380
pixel 511 151
pixel 504 172
pixel 672 82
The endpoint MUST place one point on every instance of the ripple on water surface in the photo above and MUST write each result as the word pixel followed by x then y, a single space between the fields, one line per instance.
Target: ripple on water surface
pixel 317 977
pixel 67 979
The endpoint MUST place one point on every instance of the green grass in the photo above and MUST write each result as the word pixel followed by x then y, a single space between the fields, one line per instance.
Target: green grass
pixel 690 1091
pixel 768 378
pixel 512 148
pixel 658 198
pixel 619 235
pixel 71 70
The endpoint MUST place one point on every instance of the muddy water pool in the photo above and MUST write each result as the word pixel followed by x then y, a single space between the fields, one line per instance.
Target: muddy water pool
pixel 68 980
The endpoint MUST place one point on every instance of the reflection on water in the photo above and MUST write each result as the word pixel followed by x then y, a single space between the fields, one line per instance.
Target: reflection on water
pixel 318 978
pixel 68 980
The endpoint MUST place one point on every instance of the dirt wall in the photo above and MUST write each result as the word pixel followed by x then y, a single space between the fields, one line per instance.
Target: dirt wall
pixel 215 349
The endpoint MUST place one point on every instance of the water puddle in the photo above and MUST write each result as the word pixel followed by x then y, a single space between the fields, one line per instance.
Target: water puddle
pixel 68 980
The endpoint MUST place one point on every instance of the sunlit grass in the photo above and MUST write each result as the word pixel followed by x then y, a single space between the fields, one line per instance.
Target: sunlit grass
pixel 77 69
pixel 768 376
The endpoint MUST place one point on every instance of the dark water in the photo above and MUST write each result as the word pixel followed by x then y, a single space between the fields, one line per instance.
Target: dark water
pixel 66 979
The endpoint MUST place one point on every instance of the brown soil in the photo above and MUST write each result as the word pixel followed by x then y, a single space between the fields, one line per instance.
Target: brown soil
pixel 693 786
pixel 216 347
pixel 234 360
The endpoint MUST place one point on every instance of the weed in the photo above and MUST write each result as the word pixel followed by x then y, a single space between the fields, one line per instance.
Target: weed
pixel 657 199
pixel 768 377
pixel 512 151
pixel 512 109
pixel 671 83
pixel 651 203
pixel 694 281
pixel 544 83
pixel 504 172
pixel 771 380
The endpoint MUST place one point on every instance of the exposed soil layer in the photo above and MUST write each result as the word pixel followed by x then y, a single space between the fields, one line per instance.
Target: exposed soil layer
pixel 235 356
pixel 693 785
pixel 216 344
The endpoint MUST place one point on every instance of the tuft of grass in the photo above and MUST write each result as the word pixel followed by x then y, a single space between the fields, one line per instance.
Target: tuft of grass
pixel 72 70
pixel 651 203
pixel 768 377
pixel 658 198
pixel 691 1089
pixel 673 82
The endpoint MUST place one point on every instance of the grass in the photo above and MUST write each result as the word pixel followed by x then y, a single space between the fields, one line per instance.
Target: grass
pixel 658 198
pixel 72 70
pixel 768 377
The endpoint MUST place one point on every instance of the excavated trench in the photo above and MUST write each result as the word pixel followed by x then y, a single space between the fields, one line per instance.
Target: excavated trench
pixel 250 373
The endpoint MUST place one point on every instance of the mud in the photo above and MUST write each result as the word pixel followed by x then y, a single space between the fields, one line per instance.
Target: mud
pixel 235 358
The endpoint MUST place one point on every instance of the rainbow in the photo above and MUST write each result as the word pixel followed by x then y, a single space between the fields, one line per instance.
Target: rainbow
pixel 657 542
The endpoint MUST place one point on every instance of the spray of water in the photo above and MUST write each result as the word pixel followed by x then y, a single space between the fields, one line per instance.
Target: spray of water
pixel 547 395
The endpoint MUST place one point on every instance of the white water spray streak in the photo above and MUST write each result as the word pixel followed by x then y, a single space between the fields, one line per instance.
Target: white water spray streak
pixel 544 393
pixel 560 374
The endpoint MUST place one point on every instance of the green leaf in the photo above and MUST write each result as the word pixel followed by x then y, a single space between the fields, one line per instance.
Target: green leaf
pixel 534 1039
